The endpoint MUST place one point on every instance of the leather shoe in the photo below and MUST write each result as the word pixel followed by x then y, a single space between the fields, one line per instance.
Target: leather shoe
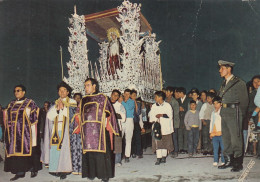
pixel 33 174
pixel 127 159
pixel 63 176
pixel 158 162
pixel 163 160
pixel 133 156
pixel 16 177
pixel 105 180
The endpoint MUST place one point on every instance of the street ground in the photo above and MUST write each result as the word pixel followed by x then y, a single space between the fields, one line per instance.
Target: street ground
pixel 180 169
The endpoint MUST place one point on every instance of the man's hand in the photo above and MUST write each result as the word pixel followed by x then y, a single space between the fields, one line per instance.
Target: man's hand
pixel 181 108
pixel 204 122
pixel 159 115
pixel 142 130
pixel 60 104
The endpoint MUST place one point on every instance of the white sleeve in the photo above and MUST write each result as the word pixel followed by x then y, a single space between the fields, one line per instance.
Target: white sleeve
pixel 52 113
pixel 141 123
pixel 122 113
pixel 257 98
pixel 153 114
pixel 202 111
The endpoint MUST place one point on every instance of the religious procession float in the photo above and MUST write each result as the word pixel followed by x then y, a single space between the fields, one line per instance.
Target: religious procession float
pixel 129 53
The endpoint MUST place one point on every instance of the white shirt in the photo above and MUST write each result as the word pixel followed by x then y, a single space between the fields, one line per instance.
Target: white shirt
pixel 182 99
pixel 120 109
pixel 215 120
pixel 229 78
pixel 166 123
pixel 52 113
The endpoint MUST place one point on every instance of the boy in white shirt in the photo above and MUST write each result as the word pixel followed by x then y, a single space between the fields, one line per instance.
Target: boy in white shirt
pixel 215 131
pixel 162 112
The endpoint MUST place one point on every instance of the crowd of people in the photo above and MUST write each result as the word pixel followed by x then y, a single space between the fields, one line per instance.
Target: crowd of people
pixel 88 135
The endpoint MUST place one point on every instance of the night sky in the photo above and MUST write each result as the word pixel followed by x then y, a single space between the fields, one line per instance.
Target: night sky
pixel 194 34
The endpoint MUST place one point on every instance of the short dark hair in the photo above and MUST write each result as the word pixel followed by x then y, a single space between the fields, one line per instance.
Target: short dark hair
pixel 77 94
pixel 133 91
pixel 139 99
pixel 160 94
pixel 256 76
pixel 203 91
pixel 47 102
pixel 210 94
pixel 127 90
pixel 117 91
pixel 217 99
pixel 181 89
pixel 193 102
pixel 213 90
pixel 195 91
pixel 21 86
pixel 93 82
pixel 171 89
pixel 65 85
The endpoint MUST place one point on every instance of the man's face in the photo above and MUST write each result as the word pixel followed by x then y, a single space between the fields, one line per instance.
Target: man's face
pixel 256 83
pixel 168 93
pixel 19 93
pixel 209 99
pixel 114 96
pixel 89 88
pixel 126 95
pixel 77 98
pixel 133 96
pixel 158 99
pixel 217 105
pixel 46 106
pixel 195 96
pixel 224 71
pixel 120 99
pixel 180 94
pixel 176 95
pixel 193 106
pixel 63 92
pixel 203 96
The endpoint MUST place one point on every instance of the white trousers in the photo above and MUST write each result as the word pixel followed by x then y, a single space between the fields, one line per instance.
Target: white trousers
pixel 127 130
pixel 161 153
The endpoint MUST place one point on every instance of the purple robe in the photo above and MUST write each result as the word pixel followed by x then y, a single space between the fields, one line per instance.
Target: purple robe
pixel 18 134
pixel 94 111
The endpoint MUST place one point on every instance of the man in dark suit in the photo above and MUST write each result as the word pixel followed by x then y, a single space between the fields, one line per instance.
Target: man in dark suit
pixel 182 132
pixel 234 96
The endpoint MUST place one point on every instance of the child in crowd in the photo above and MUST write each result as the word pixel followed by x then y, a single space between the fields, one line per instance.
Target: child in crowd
pixel 195 96
pixel 215 131
pixel 205 114
pixel 162 113
pixel 193 125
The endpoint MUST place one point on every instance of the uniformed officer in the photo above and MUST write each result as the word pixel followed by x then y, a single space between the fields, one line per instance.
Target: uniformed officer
pixel 233 92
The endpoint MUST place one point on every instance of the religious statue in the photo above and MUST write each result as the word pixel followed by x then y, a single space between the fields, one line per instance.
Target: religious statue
pixel 114 51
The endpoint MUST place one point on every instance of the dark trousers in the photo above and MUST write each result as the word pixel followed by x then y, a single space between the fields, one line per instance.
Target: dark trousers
pixel 175 140
pixel 193 139
pixel 136 140
pixel 182 138
pixel 207 146
pixel 233 144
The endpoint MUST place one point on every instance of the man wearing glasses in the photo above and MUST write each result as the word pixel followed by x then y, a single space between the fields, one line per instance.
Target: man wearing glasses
pixel 20 119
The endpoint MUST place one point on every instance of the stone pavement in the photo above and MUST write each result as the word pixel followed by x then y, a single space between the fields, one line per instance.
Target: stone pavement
pixel 181 169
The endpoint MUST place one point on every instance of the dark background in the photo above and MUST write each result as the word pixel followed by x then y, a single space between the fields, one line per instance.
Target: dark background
pixel 194 37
